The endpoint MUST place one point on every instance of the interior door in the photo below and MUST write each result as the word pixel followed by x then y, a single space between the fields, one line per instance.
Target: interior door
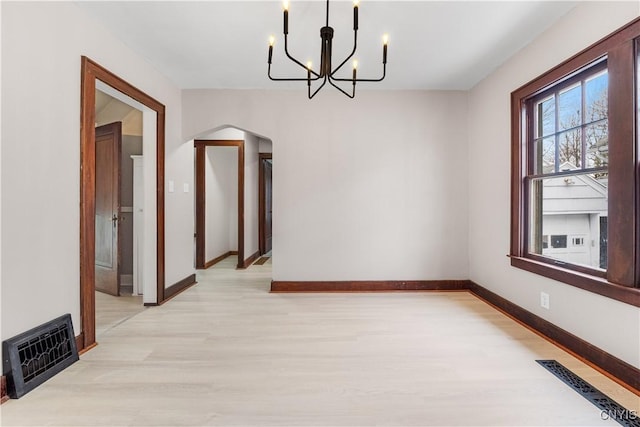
pixel 268 167
pixel 108 152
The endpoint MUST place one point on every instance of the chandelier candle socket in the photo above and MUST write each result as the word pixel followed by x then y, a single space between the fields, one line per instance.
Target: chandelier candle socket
pixel 326 72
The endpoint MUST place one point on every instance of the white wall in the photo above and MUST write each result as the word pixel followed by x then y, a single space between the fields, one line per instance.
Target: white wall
pixel 251 160
pixel 131 145
pixel 229 133
pixel 41 48
pixel 370 188
pixel 608 324
pixel 221 192
pixel 265 146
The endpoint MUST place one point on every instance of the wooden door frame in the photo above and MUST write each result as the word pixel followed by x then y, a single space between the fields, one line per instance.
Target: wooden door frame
pixel 90 72
pixel 200 190
pixel 262 244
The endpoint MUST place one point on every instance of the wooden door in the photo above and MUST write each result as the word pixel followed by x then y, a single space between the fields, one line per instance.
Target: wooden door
pixel 107 262
pixel 268 167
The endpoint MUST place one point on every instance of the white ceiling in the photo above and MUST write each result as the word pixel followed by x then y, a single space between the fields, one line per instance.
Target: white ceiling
pixel 449 45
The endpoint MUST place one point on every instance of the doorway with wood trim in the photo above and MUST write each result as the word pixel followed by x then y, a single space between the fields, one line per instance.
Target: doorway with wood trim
pixel 227 196
pixel 119 212
pixel 203 259
pixel 96 77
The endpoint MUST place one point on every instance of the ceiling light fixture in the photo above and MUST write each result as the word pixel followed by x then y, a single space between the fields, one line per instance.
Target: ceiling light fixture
pixel 326 73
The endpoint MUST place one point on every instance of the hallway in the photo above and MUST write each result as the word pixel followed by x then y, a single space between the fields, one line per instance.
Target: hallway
pixel 228 352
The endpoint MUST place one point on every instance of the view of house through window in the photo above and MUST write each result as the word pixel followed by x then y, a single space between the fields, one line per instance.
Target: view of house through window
pixel 568 183
pixel 575 132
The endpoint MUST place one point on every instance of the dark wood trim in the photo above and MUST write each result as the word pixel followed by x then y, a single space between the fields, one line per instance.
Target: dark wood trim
pixel 219 142
pixel 624 373
pixel 84 350
pixel 622 278
pixel 200 147
pixel 218 259
pixel 87 204
pixel 369 286
pixel 247 262
pixel 160 237
pixel 261 202
pixel 623 239
pixel 240 204
pixel 179 287
pixel 4 396
pixel 90 72
pixel 200 190
pixel 637 185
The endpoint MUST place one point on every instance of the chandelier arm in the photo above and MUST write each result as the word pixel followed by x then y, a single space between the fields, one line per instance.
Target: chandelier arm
pixel 286 51
pixel 355 47
pixel 326 73
pixel 288 79
pixel 384 74
pixel 341 90
pixel 317 90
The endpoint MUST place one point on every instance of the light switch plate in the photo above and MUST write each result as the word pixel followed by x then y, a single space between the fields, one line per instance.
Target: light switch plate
pixel 185 187
pixel 544 300
pixel 170 186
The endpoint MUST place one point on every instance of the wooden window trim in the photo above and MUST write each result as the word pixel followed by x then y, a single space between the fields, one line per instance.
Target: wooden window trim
pixel 623 273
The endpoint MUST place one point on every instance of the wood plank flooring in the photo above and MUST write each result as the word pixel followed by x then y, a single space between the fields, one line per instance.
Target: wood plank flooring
pixel 227 352
pixel 111 311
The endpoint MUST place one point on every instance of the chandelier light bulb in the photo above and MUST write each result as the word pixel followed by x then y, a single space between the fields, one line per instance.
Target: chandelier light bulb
pixel 385 39
pixel 356 3
pixel 355 64
pixel 309 65
pixel 285 4
pixel 272 40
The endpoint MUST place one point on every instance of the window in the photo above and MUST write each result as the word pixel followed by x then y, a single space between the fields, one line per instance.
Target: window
pixel 559 241
pixel 568 179
pixel 574 170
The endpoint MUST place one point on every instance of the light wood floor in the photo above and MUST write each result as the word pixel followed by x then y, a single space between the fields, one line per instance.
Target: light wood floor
pixel 111 311
pixel 227 352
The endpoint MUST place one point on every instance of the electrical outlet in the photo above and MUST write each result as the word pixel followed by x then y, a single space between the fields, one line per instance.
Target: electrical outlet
pixel 544 300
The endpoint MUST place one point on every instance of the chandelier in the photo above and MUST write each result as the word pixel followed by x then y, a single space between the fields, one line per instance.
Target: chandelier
pixel 325 72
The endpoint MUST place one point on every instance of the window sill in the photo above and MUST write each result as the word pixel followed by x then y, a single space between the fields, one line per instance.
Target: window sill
pixel 587 282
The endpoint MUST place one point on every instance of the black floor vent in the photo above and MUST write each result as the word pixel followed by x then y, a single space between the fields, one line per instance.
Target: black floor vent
pixel 31 358
pixel 609 408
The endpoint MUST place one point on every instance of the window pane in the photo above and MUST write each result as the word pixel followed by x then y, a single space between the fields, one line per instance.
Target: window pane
pixel 559 241
pixel 597 139
pixel 546 117
pixel 568 217
pixel 545 152
pixel 570 150
pixel 570 107
pixel 596 101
